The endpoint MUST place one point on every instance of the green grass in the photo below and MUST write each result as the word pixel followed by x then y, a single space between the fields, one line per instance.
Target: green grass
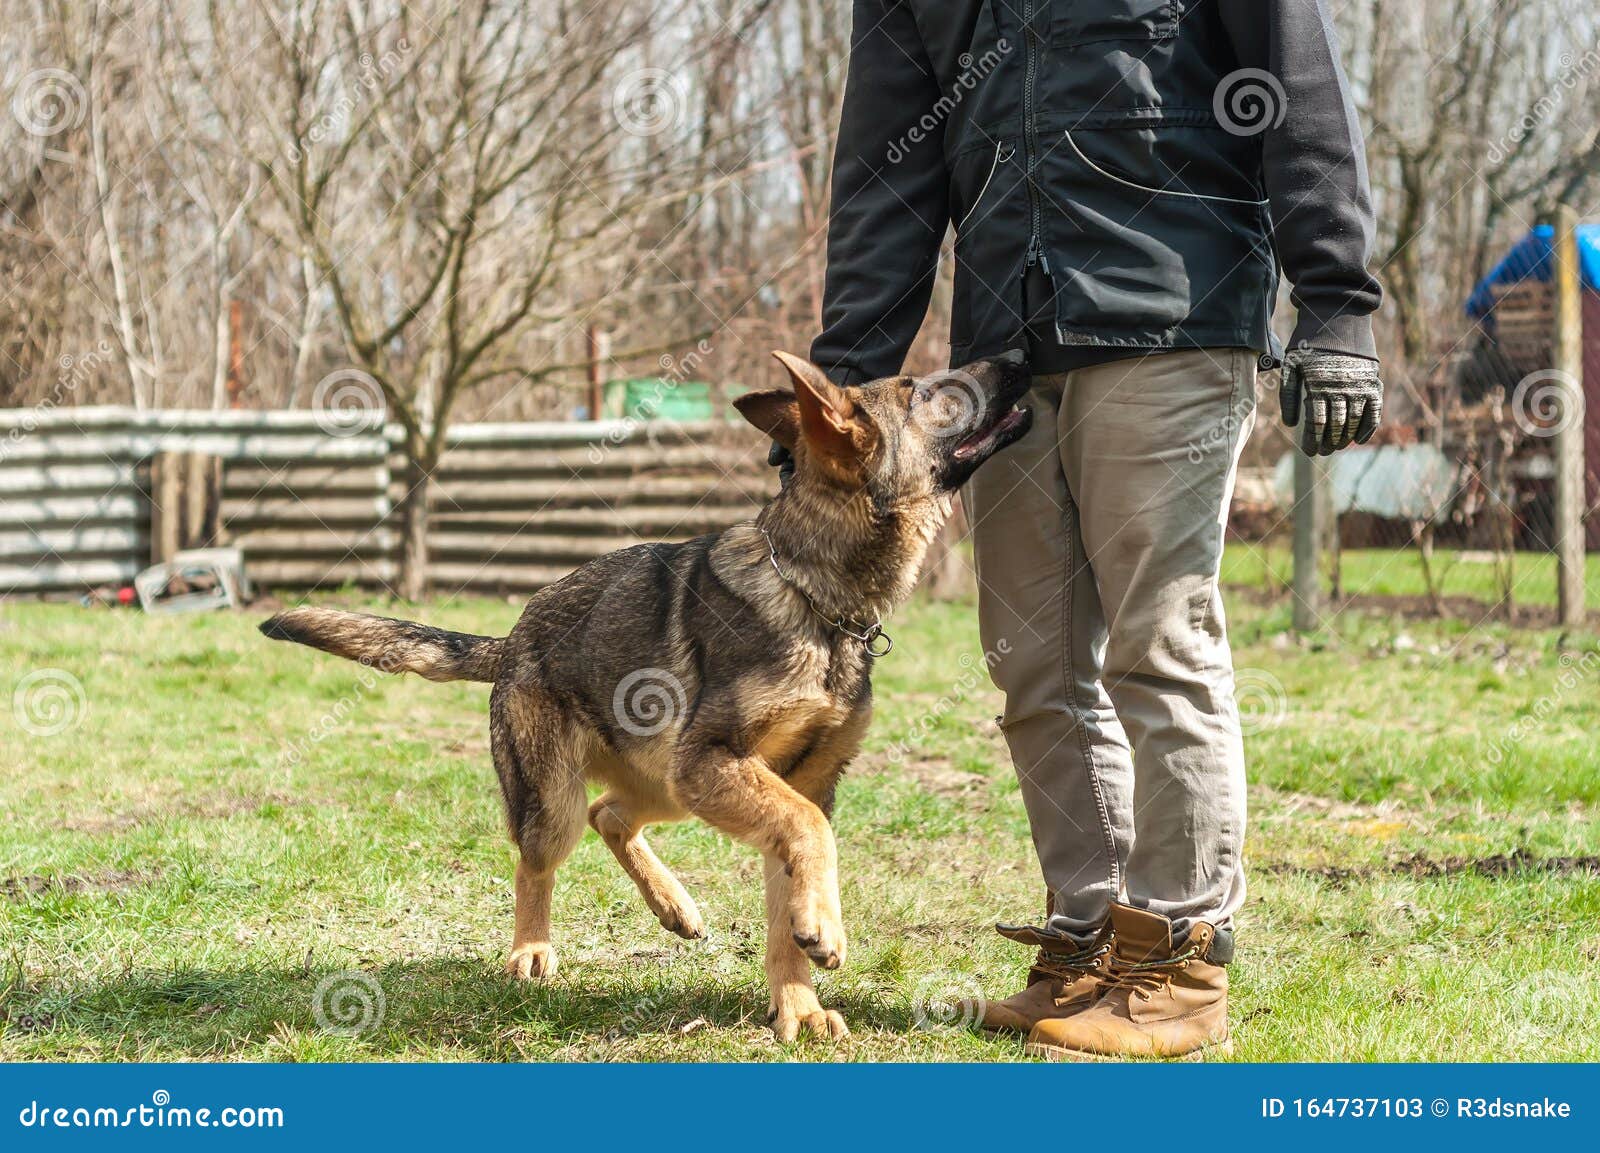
pixel 1377 572
pixel 227 823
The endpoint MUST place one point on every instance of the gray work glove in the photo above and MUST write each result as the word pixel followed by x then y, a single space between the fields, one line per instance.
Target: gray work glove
pixel 781 459
pixel 1339 395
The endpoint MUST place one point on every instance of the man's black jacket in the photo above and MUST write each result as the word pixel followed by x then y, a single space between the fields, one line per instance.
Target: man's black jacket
pixel 1157 159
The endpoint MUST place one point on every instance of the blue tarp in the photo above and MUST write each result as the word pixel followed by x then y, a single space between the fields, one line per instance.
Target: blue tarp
pixel 1530 257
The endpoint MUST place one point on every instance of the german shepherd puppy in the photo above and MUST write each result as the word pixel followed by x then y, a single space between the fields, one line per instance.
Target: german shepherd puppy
pixel 726 677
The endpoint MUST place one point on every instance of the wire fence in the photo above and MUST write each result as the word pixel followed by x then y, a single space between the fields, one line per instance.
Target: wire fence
pixel 1449 511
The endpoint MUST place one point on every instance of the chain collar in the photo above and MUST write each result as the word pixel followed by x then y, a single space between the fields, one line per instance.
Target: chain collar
pixel 868 636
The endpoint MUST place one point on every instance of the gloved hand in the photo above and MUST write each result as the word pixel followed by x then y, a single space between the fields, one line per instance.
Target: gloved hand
pixel 781 459
pixel 1341 397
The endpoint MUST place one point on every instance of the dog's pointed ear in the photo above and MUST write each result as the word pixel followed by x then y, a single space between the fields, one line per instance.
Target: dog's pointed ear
pixel 774 411
pixel 826 410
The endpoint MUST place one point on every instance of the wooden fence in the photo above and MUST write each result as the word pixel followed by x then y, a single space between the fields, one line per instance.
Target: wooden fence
pixel 311 497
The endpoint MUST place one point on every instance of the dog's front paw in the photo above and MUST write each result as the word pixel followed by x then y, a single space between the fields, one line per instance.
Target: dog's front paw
pixel 792 1016
pixel 532 962
pixel 818 930
pixel 682 918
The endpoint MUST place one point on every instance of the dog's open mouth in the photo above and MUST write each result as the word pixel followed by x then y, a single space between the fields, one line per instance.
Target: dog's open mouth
pixel 998 435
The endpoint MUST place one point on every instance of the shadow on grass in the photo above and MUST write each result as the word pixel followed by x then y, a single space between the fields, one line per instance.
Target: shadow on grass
pixel 459 1008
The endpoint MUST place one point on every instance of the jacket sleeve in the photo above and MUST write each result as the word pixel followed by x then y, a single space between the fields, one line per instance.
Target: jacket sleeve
pixel 1315 168
pixel 890 199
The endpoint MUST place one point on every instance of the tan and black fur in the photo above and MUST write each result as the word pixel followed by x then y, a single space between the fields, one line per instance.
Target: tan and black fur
pixel 695 679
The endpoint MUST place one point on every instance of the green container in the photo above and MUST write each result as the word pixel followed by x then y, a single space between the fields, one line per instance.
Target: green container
pixel 655 398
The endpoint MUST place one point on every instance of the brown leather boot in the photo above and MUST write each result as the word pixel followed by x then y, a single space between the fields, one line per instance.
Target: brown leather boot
pixel 1158 1001
pixel 1066 978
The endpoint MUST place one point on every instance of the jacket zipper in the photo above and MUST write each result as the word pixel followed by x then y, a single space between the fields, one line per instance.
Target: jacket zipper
pixel 1030 141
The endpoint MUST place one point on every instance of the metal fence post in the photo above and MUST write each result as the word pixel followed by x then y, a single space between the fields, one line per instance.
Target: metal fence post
pixel 1309 522
pixel 1567 362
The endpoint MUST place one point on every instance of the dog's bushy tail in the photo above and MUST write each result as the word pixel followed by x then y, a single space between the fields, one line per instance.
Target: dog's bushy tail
pixel 391 646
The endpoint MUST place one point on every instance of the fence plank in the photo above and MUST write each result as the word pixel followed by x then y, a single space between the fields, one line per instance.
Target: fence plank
pixel 101 540
pixel 515 506
pixel 60 478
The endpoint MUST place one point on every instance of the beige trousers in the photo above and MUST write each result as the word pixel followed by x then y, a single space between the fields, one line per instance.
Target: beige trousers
pixel 1098 539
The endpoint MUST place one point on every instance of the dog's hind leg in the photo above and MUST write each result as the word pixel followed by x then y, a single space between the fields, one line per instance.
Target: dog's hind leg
pixel 620 820
pixel 540 762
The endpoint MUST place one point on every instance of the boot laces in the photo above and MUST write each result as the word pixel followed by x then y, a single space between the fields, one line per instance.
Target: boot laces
pixel 1070 966
pixel 1146 978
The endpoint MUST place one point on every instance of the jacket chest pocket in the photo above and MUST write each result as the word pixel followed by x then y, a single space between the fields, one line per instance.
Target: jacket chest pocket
pixel 1076 22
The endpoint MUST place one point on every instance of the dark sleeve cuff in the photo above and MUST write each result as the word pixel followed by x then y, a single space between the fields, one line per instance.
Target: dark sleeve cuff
pixel 1345 332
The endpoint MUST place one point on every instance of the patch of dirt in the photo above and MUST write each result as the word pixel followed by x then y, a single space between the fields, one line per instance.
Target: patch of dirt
pixel 457 740
pixel 1519 863
pixel 932 774
pixel 1413 607
pixel 110 881
pixel 1326 808
pixel 208 806
pixel 1500 865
